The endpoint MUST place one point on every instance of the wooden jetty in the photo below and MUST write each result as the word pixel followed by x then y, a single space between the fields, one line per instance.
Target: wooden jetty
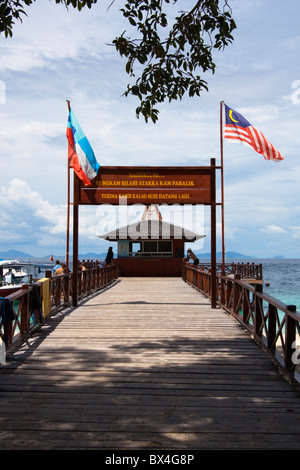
pixel 146 363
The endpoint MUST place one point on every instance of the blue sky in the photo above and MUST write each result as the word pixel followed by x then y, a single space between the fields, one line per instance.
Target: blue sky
pixel 58 54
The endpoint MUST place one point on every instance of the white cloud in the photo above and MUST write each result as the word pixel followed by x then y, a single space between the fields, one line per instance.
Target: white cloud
pixel 27 218
pixel 32 223
pixel 273 229
pixel 295 232
pixel 67 34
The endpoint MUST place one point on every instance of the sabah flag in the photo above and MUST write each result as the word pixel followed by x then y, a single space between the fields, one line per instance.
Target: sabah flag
pixel 238 128
pixel 80 153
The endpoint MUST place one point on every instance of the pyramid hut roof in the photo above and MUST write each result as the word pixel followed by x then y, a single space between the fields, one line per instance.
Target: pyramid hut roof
pixel 151 227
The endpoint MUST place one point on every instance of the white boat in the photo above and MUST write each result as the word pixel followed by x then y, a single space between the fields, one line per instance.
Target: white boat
pixel 13 272
pixel 8 261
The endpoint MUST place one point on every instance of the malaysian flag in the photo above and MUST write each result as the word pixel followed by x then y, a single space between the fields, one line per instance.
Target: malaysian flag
pixel 238 128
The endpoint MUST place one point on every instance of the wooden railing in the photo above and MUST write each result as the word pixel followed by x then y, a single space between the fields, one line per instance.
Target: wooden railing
pixel 246 270
pixel 271 323
pixel 25 309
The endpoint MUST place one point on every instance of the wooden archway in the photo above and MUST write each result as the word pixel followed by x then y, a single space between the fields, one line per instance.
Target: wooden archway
pixel 148 185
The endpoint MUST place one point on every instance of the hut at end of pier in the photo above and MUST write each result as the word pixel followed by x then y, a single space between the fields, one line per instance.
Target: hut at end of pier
pixel 151 247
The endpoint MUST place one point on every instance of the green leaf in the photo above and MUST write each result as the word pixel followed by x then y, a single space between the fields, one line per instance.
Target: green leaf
pixel 132 21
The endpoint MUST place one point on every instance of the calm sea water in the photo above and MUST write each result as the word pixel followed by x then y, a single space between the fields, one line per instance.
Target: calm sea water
pixel 282 275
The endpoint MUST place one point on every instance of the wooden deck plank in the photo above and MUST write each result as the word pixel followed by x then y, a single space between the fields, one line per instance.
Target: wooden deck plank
pixel 146 364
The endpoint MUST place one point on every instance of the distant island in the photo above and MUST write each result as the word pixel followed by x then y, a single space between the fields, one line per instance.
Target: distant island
pixel 15 254
pixel 228 255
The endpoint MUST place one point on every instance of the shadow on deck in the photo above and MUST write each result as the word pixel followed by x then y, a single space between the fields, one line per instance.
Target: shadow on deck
pixel 146 364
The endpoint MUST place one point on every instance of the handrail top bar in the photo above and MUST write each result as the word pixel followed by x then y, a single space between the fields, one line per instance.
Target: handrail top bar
pixel 270 322
pixel 251 288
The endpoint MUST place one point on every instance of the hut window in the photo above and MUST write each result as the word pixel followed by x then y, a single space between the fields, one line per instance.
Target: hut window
pixel 150 247
pixel 135 247
pixel 165 246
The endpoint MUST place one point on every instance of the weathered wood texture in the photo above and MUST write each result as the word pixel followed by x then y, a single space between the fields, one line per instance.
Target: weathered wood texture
pixel 146 364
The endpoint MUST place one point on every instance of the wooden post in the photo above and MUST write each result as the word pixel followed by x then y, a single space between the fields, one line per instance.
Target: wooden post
pixel 236 294
pixel 68 205
pixel 75 242
pixel 290 337
pixel 222 188
pixel 68 221
pixel 213 235
pixel 75 231
pixel 272 328
pixel 25 310
pixel 246 304
pixel 258 308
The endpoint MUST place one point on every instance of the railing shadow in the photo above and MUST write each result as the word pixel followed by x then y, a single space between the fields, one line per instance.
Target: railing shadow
pixel 167 393
pixel 274 325
pixel 121 399
pixel 25 310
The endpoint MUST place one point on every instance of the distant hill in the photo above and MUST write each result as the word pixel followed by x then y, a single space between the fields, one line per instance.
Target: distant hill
pixel 229 255
pixel 94 255
pixel 80 256
pixel 13 254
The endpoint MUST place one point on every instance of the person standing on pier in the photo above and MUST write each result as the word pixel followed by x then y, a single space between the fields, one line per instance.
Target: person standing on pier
pixel 109 256
pixel 57 266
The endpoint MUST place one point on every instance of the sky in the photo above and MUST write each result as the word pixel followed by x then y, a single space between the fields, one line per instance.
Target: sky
pixel 58 54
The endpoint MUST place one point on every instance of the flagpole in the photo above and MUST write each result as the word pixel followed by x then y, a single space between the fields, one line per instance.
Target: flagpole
pixel 68 207
pixel 222 187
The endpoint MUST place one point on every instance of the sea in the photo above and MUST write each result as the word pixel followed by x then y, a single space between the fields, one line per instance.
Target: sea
pixel 281 277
